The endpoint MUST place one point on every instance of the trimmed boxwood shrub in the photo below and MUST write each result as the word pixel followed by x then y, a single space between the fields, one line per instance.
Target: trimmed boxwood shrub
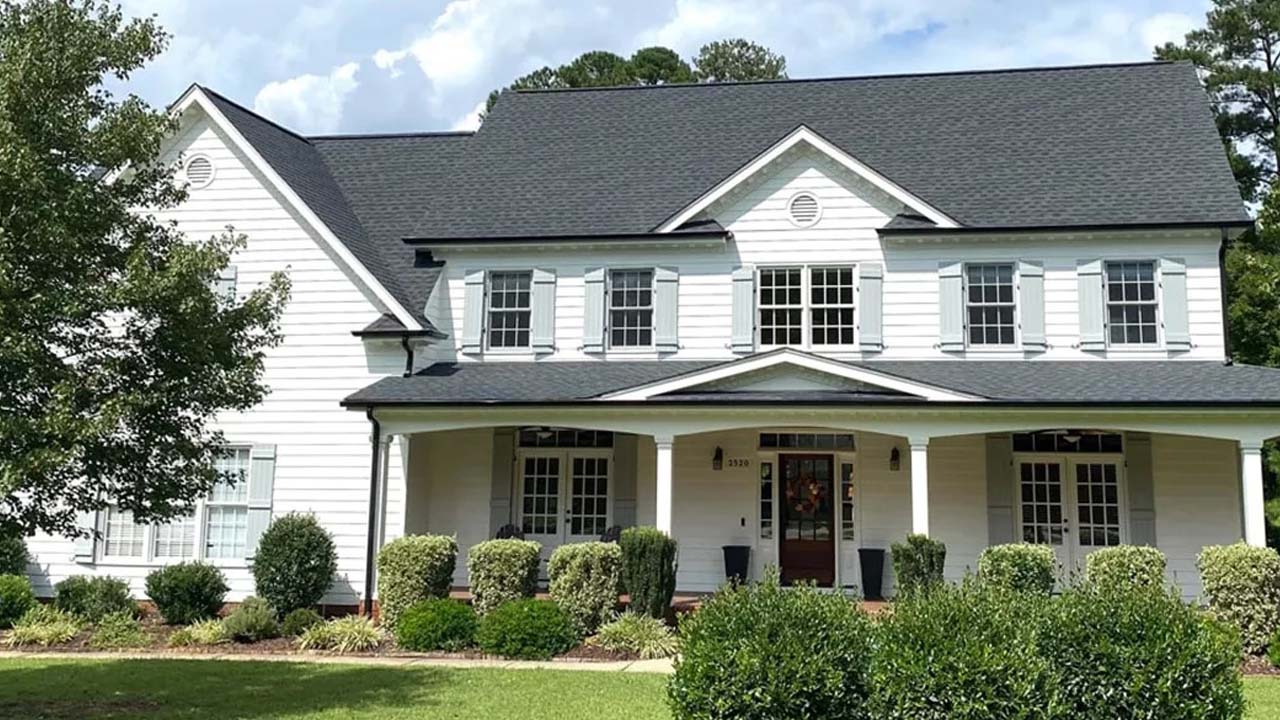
pixel 1126 565
pixel 437 624
pixel 501 571
pixel 584 582
pixel 918 563
pixel 649 561
pixel 298 621
pixel 93 598
pixel 1019 566
pixel 187 592
pixel 13 554
pixel 762 651
pixel 1242 586
pixel 252 621
pixel 16 598
pixel 526 629
pixel 412 569
pixel 295 563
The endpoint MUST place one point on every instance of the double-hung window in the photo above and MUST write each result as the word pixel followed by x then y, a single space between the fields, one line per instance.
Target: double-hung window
pixel 630 308
pixel 806 306
pixel 509 309
pixel 989 304
pixel 122 537
pixel 831 313
pixel 227 509
pixel 1132 307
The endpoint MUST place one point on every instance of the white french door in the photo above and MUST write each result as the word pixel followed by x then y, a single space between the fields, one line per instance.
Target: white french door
pixel 1073 504
pixel 564 495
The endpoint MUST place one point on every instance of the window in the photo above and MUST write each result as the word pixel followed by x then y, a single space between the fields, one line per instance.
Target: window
pixel 781 306
pixel 1098 502
pixel 989 304
pixel 766 500
pixel 1131 303
pixel 224 288
pixel 122 536
pixel 509 309
pixel 227 509
pixel 831 292
pixel 826 318
pixel 1068 441
pixel 806 441
pixel 630 308
pixel 176 539
pixel 846 502
pixel 564 438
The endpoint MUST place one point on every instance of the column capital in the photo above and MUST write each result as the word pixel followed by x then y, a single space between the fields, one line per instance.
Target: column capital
pixel 1250 446
pixel 664 439
pixel 917 441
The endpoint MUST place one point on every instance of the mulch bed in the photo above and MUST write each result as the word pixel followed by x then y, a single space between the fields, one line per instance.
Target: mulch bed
pixel 1255 665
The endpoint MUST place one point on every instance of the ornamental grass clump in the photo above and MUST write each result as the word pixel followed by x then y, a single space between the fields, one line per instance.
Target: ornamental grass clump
pixel 1126 566
pixel 584 582
pixel 295 563
pixel 350 634
pixel 1019 566
pixel 252 621
pixel 638 635
pixel 649 562
pixel 43 625
pixel 1242 587
pixel 118 630
pixel 501 571
pixel 205 632
pixel 414 568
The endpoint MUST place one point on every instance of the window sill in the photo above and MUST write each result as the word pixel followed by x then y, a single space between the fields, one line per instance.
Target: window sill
pixel 127 562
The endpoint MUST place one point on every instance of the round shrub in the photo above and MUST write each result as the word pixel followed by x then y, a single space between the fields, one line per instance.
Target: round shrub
pixel 1242 586
pixel 437 624
pixel 13 554
pixel 649 560
pixel 252 621
pixel 918 563
pixel 501 571
pixel 526 629
pixel 961 652
pixel 16 598
pixel 93 598
pixel 762 651
pixel 298 621
pixel 1131 652
pixel 295 563
pixel 187 592
pixel 1125 566
pixel 412 569
pixel 1019 566
pixel 584 582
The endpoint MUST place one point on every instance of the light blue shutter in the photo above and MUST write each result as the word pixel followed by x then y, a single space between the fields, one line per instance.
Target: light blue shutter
pixel 473 312
pixel 1031 300
pixel 870 307
pixel 544 311
pixel 744 309
pixel 1093 334
pixel 666 302
pixel 950 306
pixel 1138 476
pixel 262 475
pixel 593 310
pixel 1173 283
pixel 86 542
pixel 1000 493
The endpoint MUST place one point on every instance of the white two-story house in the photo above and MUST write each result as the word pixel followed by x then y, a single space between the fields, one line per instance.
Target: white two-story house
pixel 807 317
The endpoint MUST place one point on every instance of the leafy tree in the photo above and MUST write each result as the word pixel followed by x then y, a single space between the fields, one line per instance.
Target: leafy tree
pixel 736 60
pixel 115 353
pixel 597 68
pixel 659 66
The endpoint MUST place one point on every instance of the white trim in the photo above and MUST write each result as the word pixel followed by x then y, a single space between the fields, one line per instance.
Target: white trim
pixel 195 96
pixel 788 356
pixel 817 204
pixel 186 166
pixel 795 137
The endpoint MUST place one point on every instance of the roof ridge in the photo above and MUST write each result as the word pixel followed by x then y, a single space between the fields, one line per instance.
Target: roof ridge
pixel 842 78
pixel 255 114
pixel 393 135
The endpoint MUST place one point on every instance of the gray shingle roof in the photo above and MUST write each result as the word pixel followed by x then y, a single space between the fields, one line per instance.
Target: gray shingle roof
pixel 1040 382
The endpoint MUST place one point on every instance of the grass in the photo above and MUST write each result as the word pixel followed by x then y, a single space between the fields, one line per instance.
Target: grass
pixel 64 689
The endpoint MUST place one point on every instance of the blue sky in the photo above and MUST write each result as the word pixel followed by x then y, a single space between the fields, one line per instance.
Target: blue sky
pixel 329 66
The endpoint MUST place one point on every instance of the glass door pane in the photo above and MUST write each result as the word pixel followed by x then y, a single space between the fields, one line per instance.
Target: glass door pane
pixel 540 497
pixel 1040 492
pixel 588 497
pixel 1097 504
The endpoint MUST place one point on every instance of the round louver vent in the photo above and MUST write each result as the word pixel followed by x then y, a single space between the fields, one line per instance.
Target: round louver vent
pixel 199 171
pixel 804 209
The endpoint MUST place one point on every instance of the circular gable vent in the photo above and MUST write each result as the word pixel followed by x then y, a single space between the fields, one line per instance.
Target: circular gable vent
pixel 199 171
pixel 804 209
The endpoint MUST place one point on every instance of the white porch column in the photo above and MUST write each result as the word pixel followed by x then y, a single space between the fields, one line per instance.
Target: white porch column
pixel 1255 523
pixel 919 485
pixel 662 515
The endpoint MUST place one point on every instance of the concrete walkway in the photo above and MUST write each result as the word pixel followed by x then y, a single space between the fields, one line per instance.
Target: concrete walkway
pixel 632 666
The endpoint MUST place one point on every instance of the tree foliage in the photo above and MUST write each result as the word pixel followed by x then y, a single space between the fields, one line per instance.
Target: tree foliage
pixel 115 353
pixel 738 60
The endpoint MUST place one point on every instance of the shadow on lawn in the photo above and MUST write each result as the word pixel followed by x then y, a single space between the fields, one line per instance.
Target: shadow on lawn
pixel 209 689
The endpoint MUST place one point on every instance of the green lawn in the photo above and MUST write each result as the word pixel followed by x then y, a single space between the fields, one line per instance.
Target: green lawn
pixel 65 689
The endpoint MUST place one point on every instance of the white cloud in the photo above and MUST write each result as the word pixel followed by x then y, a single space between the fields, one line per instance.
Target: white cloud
pixel 470 121
pixel 308 103
pixel 1167 27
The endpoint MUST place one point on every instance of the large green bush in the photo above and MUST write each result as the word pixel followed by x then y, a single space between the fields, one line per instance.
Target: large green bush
pixel 961 653
pixel 502 570
pixel 253 620
pixel 1126 565
pixel 1139 652
pixel 1242 586
pixel 16 598
pixel 1019 566
pixel 526 629
pixel 437 624
pixel 762 651
pixel 918 563
pixel 187 592
pixel 649 561
pixel 295 563
pixel 13 554
pixel 93 598
pixel 584 581
pixel 412 569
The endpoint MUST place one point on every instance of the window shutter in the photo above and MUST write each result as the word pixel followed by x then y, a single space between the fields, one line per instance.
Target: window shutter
pixel 1093 334
pixel 500 479
pixel 1000 493
pixel 1031 300
pixel 1138 477
pixel 744 309
pixel 1173 284
pixel 262 475
pixel 666 302
pixel 625 451
pixel 950 306
pixel 473 312
pixel 544 311
pixel 85 545
pixel 593 310
pixel 870 307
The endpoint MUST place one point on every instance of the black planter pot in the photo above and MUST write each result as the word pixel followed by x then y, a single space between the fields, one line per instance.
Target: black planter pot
pixel 737 559
pixel 872 562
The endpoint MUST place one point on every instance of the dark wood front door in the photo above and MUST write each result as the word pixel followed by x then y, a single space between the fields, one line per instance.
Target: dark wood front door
pixel 808 519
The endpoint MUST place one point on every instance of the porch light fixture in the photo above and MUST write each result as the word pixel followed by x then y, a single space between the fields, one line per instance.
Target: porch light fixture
pixel 717 460
pixel 895 459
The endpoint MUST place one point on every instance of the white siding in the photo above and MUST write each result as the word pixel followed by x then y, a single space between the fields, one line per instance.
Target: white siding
pixel 448 488
pixel 1197 494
